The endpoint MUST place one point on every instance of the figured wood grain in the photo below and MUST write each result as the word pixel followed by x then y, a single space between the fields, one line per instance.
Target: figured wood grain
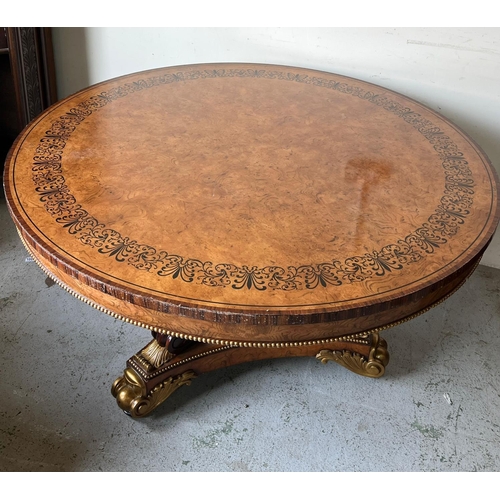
pixel 252 202
pixel 250 328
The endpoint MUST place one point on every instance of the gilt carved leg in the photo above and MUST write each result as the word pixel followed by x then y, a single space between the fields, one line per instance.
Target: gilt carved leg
pixel 169 362
pixel 371 364
pixel 134 395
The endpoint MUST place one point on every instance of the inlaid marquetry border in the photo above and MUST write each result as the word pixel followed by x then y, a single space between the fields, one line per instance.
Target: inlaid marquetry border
pixel 444 223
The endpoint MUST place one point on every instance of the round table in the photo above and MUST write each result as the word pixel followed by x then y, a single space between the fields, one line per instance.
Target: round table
pixel 248 211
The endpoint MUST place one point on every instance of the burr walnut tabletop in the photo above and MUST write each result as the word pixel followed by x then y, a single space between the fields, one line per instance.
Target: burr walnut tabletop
pixel 245 211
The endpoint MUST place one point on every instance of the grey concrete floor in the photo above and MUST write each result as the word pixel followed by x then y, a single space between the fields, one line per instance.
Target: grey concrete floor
pixel 436 409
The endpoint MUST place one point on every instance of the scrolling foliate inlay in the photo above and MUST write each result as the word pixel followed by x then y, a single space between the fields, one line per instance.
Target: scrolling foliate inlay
pixel 444 223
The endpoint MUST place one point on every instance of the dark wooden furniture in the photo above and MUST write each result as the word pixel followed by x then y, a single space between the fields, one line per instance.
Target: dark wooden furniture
pixel 244 211
pixel 27 80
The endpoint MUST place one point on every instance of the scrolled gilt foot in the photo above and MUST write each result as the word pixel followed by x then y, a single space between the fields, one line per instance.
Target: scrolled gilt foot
pixel 132 397
pixel 372 365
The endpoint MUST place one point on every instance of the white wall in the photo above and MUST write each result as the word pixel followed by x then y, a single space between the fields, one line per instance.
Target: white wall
pixel 455 71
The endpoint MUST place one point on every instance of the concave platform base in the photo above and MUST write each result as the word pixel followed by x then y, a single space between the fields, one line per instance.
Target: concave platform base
pixel 168 363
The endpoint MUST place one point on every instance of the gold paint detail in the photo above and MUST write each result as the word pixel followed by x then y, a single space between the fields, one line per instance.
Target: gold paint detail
pixel 136 360
pixel 357 337
pixel 147 367
pixel 131 396
pixel 155 354
pixel 373 367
